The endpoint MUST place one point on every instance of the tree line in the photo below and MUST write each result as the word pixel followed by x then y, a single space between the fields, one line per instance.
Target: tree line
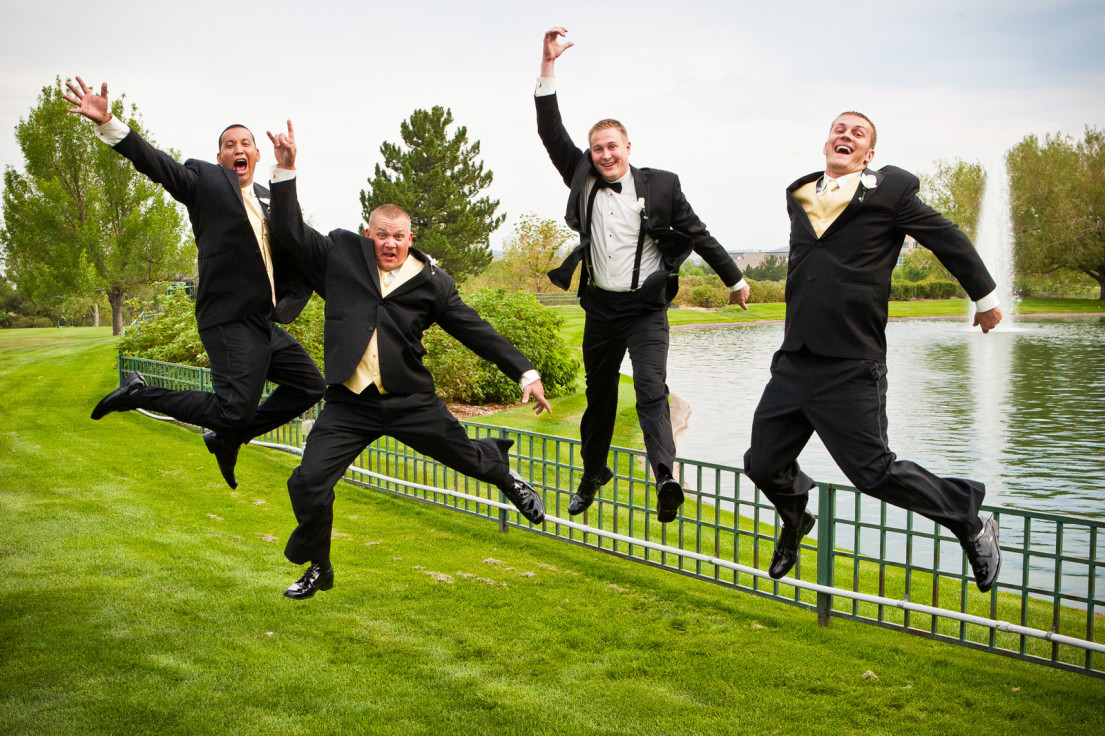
pixel 82 229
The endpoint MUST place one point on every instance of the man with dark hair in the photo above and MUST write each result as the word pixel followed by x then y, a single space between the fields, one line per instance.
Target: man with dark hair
pixel 847 225
pixel 636 228
pixel 244 288
pixel 381 295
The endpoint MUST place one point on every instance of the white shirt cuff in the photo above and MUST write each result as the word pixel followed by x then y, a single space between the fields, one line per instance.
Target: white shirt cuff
pixel 527 378
pixel 988 302
pixel 739 285
pixel 278 175
pixel 112 131
pixel 545 86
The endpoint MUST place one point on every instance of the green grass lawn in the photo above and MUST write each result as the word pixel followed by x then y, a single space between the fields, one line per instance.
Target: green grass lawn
pixel 141 595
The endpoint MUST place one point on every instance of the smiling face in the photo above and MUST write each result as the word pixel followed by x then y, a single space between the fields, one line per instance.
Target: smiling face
pixel 391 237
pixel 238 151
pixel 851 145
pixel 610 153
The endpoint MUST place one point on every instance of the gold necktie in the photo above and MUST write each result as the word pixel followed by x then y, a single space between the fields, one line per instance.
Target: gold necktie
pixel 828 188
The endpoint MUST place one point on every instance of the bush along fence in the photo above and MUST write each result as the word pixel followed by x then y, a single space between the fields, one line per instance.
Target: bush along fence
pixel 864 561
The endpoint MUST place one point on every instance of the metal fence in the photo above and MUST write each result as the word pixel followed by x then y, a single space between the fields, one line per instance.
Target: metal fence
pixel 864 561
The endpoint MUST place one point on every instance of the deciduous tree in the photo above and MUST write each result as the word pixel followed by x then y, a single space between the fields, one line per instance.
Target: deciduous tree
pixel 80 220
pixel 1058 191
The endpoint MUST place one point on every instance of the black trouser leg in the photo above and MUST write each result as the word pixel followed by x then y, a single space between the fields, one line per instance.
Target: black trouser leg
pixel 779 432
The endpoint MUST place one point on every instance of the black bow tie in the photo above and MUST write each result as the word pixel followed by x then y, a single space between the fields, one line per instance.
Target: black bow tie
pixel 601 183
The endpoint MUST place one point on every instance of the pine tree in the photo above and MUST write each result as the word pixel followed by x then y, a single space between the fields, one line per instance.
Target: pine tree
pixel 437 179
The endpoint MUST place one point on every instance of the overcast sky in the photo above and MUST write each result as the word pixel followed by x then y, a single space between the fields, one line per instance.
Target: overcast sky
pixel 736 97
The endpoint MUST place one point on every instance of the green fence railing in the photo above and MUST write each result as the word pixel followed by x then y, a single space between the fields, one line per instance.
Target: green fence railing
pixel 868 562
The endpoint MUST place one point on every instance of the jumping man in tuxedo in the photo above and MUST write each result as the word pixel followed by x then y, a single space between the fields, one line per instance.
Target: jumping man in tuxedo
pixel 635 228
pixel 847 225
pixel 381 295
pixel 244 289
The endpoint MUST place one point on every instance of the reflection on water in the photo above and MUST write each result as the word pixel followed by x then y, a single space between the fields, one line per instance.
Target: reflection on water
pixel 1023 411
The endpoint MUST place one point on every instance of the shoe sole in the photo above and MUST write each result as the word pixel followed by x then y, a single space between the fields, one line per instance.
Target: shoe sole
pixel 669 498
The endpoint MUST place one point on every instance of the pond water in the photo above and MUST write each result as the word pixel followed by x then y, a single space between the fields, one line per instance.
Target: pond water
pixel 1021 410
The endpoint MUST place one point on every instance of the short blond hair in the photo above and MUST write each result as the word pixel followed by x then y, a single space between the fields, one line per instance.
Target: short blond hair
pixel 603 125
pixel 388 211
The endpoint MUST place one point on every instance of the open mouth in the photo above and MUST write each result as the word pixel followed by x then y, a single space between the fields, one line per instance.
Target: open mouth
pixel 846 150
pixel 240 165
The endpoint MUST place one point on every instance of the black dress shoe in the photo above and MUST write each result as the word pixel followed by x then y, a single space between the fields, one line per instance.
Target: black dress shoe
pixel 522 495
pixel 984 555
pixel 669 496
pixel 122 398
pixel 786 547
pixel 314 579
pixel 226 455
pixel 588 487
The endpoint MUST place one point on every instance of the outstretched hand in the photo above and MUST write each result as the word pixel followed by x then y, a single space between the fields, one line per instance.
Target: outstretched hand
pixel 988 320
pixel 92 106
pixel 537 391
pixel 553 49
pixel 283 147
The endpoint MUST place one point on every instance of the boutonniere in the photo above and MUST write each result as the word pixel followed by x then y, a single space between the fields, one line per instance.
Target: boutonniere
pixel 868 181
pixel 263 200
pixel 641 208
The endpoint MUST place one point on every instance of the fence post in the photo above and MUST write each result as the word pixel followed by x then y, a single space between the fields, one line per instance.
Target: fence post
pixel 503 512
pixel 825 532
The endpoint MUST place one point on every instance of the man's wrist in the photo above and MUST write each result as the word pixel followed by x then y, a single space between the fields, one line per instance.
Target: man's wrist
pixel 112 130
pixel 739 285
pixel 528 377
pixel 279 174
pixel 545 86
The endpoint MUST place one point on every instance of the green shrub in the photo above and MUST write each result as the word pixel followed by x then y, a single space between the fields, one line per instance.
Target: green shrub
pixel 701 289
pixel 932 288
pixel 765 292
pixel 460 375
pixel 170 336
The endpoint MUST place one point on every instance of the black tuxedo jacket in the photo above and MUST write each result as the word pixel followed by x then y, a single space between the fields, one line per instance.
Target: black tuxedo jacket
pixel 838 285
pixel 233 283
pixel 342 268
pixel 669 219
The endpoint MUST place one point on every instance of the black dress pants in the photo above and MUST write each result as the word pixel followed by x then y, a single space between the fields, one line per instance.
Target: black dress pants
pixel 351 422
pixel 244 354
pixel 844 401
pixel 614 324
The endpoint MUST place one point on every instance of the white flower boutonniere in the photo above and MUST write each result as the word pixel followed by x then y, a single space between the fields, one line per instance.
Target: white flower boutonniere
pixel 641 207
pixel 868 181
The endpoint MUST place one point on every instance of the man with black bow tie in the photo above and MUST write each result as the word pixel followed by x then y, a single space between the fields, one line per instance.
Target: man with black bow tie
pixel 636 228
pixel 847 225
pixel 244 289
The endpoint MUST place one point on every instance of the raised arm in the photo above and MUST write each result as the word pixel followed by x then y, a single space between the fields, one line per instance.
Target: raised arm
pixel 177 179
pixel 564 153
pixel 306 245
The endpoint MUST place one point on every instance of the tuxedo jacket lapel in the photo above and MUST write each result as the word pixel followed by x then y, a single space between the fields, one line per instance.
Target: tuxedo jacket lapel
pixel 856 204
pixel 792 201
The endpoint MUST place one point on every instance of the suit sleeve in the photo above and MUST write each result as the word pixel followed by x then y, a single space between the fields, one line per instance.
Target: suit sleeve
pixel 308 248
pixel 564 153
pixel 179 180
pixel 944 238
pixel 475 333
pixel 685 221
